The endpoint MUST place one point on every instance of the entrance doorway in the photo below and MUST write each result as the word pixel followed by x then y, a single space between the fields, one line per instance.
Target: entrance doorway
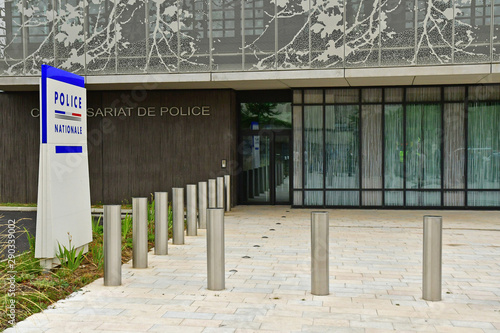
pixel 266 167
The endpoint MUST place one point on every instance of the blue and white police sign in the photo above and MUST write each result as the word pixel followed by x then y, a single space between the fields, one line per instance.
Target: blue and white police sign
pixel 64 215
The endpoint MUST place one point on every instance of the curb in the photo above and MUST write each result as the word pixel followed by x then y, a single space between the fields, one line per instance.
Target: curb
pixel 34 209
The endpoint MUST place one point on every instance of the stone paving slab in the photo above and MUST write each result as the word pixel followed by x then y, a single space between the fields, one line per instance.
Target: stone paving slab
pixel 375 279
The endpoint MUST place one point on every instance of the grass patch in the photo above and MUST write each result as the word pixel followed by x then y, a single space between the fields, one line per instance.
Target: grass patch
pixel 34 204
pixel 17 204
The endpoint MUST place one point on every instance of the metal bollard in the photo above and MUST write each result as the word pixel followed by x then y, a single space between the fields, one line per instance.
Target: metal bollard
pixel 139 232
pixel 161 223
pixel 112 236
pixel 178 215
pixel 319 253
pixel 227 184
pixel 431 276
pixel 215 249
pixel 202 205
pixel 192 227
pixel 220 192
pixel 212 193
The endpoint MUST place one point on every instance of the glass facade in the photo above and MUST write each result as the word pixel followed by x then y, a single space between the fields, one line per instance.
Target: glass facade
pixel 145 36
pixel 397 147
pixel 264 153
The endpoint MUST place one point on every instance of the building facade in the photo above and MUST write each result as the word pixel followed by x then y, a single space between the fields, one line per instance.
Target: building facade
pixel 362 103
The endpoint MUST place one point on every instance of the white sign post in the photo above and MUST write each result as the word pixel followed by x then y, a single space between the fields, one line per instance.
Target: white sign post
pixel 64 215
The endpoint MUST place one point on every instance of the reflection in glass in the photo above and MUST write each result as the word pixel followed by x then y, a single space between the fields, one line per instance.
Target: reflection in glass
pixel 281 168
pixel 483 199
pixel 432 149
pixel 266 115
pixel 371 137
pixel 423 199
pixel 255 150
pixel 394 198
pixel 313 198
pixel 371 134
pixel 313 150
pixel 454 199
pixel 342 146
pixel 297 198
pixel 342 198
pixel 372 198
pixel 394 147
pixel 454 148
pixel 297 147
pixel 423 152
pixel 483 148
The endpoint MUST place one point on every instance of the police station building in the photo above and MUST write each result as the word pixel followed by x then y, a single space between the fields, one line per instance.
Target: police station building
pixel 309 103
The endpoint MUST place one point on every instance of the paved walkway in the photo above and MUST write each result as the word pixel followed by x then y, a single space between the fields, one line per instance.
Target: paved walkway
pixel 375 280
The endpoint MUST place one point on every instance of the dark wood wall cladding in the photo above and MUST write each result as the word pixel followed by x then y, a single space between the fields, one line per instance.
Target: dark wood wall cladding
pixel 129 155
pixel 19 147
pixel 95 138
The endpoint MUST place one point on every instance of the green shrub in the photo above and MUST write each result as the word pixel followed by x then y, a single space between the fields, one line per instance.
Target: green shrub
pixel 69 259
pixel 97 252
pixel 97 227
pixel 126 226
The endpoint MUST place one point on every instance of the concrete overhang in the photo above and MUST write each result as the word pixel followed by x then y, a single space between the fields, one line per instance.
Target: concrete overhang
pixel 427 75
pixel 282 79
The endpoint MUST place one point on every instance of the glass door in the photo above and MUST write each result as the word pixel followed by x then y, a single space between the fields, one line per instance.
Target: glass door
pixel 256 154
pixel 281 163
pixel 265 177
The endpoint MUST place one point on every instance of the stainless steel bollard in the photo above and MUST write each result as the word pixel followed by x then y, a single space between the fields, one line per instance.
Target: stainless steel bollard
pixel 227 184
pixel 139 232
pixel 215 249
pixel 161 223
pixel 319 253
pixel 212 193
pixel 431 276
pixel 202 205
pixel 178 215
pixel 220 192
pixel 112 239
pixel 192 223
